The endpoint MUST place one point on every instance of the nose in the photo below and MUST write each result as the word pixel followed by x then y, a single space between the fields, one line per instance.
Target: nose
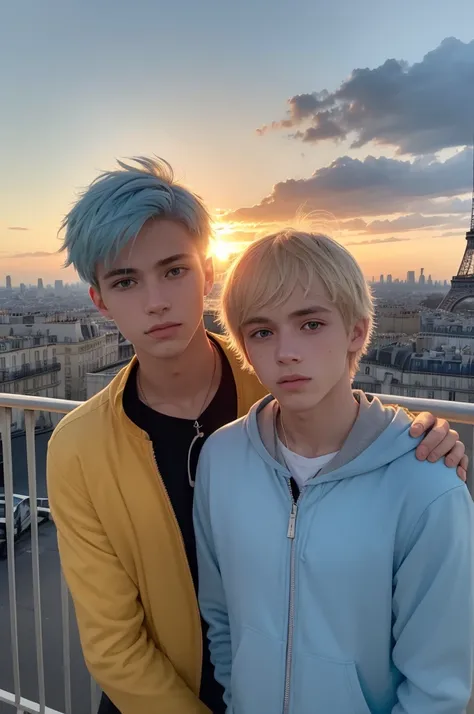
pixel 286 350
pixel 156 300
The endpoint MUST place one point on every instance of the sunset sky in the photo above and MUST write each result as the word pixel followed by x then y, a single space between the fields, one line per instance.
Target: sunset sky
pixel 357 119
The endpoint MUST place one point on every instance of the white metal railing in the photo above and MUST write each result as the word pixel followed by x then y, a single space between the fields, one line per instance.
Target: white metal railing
pixel 30 405
pixel 454 411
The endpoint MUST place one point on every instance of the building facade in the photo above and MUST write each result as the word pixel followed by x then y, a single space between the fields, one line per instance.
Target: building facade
pixel 30 365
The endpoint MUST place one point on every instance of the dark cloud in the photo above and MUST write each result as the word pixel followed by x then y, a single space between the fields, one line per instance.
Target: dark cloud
pixel 378 240
pixel 417 108
pixel 35 254
pixel 18 228
pixel 350 188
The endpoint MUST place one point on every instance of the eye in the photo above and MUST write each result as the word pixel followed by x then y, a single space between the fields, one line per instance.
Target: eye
pixel 176 272
pixel 261 334
pixel 311 325
pixel 123 284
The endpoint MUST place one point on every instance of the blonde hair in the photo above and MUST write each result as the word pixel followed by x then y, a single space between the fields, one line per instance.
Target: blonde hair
pixel 268 270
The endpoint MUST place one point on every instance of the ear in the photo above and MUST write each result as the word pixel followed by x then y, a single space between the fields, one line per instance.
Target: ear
pixel 208 275
pixel 358 335
pixel 96 298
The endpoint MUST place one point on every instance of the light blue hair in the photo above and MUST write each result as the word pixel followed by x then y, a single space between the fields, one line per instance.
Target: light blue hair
pixel 113 209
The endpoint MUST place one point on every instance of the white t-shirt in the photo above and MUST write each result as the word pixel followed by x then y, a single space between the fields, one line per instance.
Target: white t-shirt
pixel 303 468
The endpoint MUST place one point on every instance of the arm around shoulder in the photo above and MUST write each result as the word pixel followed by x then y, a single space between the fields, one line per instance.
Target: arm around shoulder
pixel 120 656
pixel 433 607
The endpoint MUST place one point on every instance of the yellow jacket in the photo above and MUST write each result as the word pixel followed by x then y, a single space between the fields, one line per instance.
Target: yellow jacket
pixel 123 555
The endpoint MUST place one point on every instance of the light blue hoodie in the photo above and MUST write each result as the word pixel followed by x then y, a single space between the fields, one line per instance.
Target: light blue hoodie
pixel 366 605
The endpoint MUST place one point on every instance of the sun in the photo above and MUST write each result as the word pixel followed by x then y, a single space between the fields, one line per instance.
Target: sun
pixel 221 249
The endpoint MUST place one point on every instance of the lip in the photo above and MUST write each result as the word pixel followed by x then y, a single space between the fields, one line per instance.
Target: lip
pixel 163 328
pixel 293 379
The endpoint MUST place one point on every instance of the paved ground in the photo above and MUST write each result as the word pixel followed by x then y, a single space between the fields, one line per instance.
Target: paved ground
pixel 52 632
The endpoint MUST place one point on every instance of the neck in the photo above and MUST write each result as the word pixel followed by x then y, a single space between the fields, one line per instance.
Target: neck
pixel 179 385
pixel 322 429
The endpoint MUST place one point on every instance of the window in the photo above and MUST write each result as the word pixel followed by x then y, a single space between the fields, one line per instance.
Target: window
pixel 45 355
pixel 55 392
pixel 54 352
pixel 452 396
pixel 367 370
pixel 17 387
pixel 36 383
pixel 14 360
pixel 3 363
pixel 37 355
pixel 68 371
pixel 23 358
pixel 68 359
pixel 431 394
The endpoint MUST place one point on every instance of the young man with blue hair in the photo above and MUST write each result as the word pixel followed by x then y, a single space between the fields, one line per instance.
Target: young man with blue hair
pixel 121 467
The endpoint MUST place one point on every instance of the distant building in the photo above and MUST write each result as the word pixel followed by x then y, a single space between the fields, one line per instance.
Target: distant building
pixel 422 279
pixel 22 288
pixel 58 287
pixel 396 319
pixel 29 365
pixel 40 285
pixel 430 280
pixel 79 346
pixel 389 279
pixel 401 371
pixel 411 277
pixel 8 282
pixel 382 280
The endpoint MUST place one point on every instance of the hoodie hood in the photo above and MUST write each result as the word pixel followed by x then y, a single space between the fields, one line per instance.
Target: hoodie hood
pixel 378 437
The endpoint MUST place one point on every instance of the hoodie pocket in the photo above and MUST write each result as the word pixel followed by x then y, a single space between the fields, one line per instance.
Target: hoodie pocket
pixel 258 672
pixel 325 685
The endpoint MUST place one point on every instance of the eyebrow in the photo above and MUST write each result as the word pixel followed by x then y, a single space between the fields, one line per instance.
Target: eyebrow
pixel 304 312
pixel 159 264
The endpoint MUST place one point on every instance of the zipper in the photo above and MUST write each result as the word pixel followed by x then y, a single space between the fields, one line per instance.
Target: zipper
pixel 291 533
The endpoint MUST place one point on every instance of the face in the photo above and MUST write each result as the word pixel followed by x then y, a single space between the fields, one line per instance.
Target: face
pixel 300 350
pixel 155 288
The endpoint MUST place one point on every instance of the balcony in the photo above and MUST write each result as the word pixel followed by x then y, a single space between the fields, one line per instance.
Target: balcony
pixel 28 370
pixel 41 669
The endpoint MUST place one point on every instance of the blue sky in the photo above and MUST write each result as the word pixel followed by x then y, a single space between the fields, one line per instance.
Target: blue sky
pixel 85 82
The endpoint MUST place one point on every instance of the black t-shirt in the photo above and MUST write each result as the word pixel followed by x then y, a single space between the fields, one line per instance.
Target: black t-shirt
pixel 171 438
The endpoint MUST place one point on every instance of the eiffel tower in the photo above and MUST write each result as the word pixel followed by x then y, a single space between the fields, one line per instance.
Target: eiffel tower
pixel 462 284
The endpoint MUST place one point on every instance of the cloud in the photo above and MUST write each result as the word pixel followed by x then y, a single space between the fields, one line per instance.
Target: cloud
pixel 18 228
pixel 411 222
pixel 418 108
pixel 450 234
pixel 378 240
pixel 351 188
pixel 35 254
pixel 450 205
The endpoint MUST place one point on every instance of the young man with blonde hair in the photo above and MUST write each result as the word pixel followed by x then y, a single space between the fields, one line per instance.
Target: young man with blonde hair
pixel 121 467
pixel 335 570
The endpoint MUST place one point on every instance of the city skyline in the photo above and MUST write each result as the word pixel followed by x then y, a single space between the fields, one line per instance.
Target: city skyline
pixel 366 135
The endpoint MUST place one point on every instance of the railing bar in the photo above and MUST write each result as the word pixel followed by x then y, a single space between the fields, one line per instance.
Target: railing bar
pixel 30 418
pixel 46 404
pixel 26 704
pixel 5 430
pixel 66 645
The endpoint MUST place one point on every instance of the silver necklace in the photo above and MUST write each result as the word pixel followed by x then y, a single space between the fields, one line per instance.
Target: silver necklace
pixel 197 426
